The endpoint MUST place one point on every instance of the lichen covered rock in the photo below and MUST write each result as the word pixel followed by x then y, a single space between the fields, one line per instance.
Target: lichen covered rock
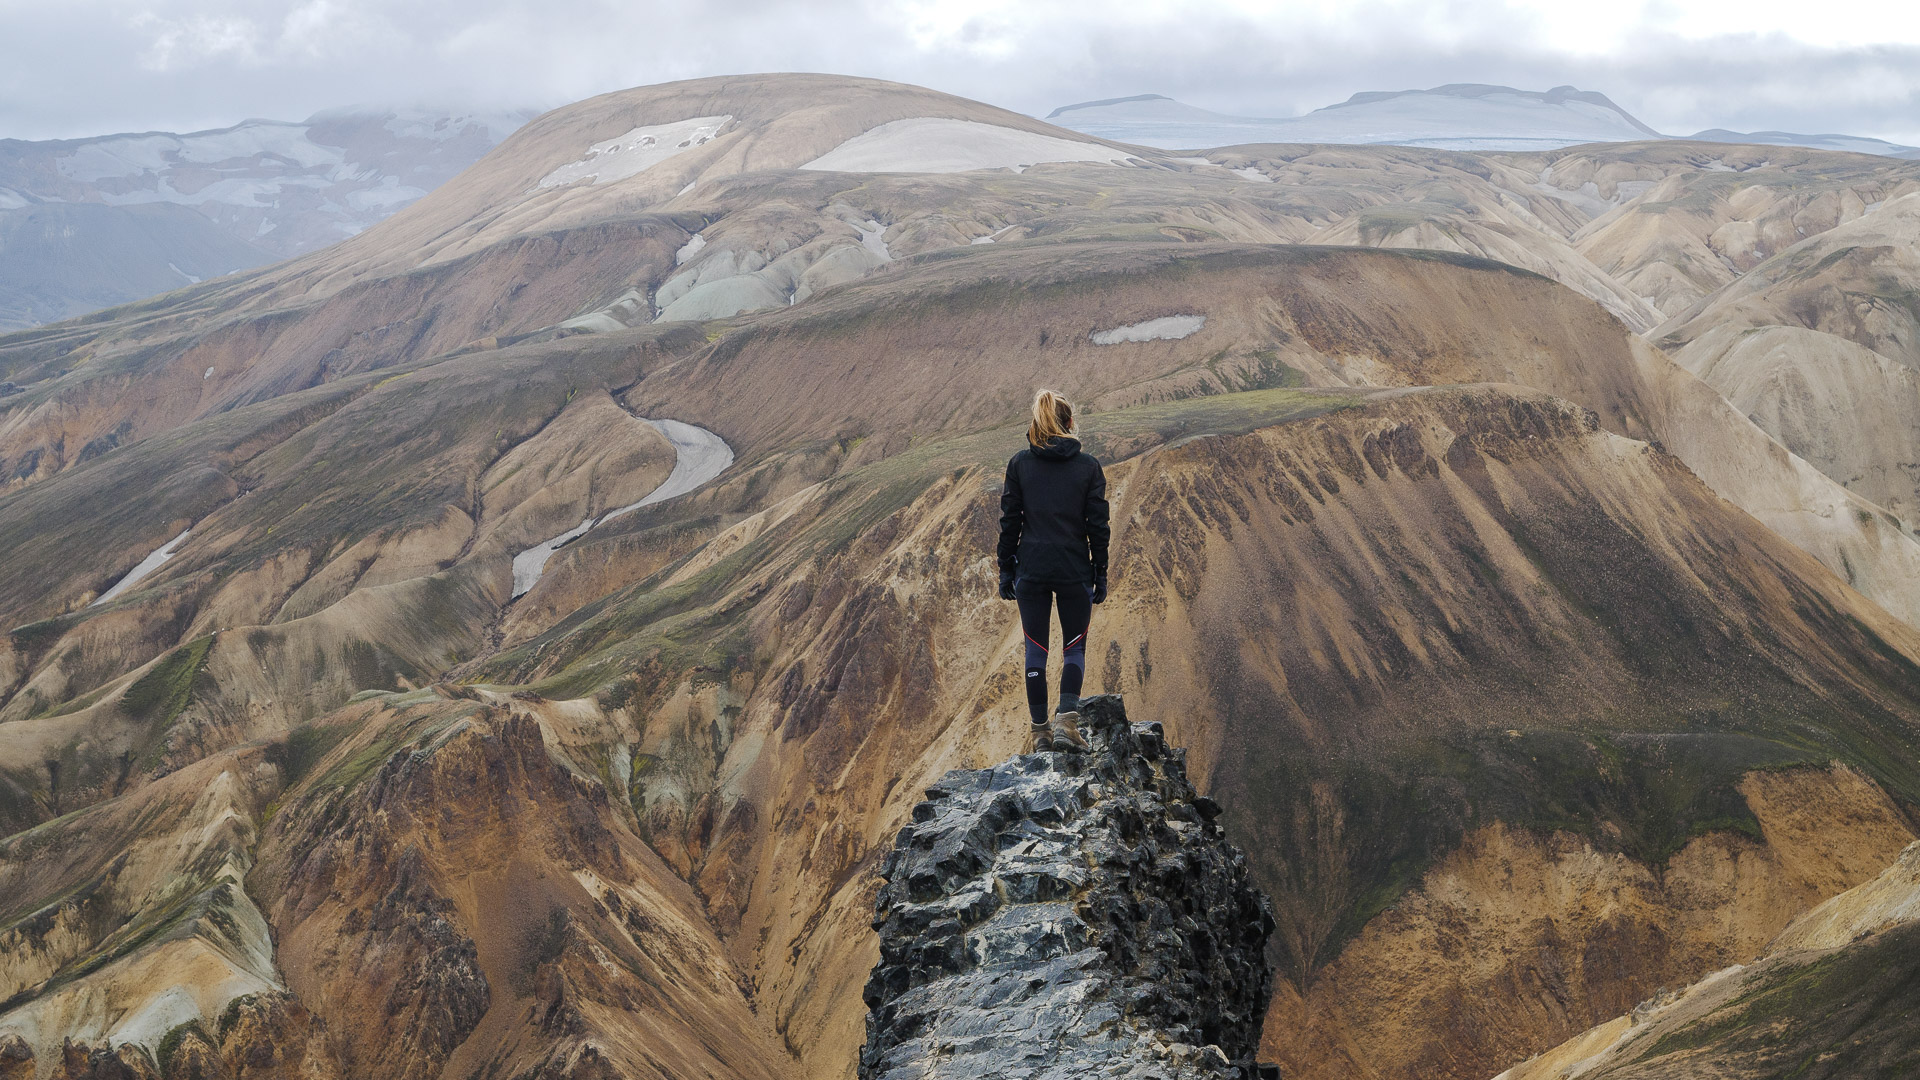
pixel 1066 915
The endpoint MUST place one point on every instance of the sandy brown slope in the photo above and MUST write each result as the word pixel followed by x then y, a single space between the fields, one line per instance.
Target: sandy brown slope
pixel 361 513
pixel 766 749
pixel 491 254
pixel 495 256
pixel 531 933
pixel 1821 344
pixel 1424 571
pixel 1675 221
pixel 759 677
pixel 343 540
pixel 1511 936
pixel 1326 317
pixel 1358 716
pixel 1830 997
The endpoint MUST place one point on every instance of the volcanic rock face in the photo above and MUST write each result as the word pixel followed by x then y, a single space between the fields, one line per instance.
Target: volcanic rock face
pixel 1059 915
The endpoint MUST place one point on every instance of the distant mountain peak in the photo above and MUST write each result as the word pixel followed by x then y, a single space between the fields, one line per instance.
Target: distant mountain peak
pixel 1852 144
pixel 1456 116
pixel 1557 96
pixel 99 220
pixel 1107 101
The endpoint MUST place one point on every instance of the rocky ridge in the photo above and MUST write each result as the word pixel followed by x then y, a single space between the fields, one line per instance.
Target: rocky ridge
pixel 1069 915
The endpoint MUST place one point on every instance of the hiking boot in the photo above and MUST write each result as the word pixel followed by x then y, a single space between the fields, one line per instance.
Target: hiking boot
pixel 1040 737
pixel 1065 730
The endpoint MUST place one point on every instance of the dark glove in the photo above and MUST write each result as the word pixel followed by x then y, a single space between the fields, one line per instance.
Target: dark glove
pixel 1100 590
pixel 1006 586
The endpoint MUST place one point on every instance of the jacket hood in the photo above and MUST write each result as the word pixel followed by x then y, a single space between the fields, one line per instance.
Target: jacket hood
pixel 1057 450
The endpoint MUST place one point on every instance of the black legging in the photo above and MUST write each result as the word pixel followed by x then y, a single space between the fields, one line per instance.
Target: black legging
pixel 1036 600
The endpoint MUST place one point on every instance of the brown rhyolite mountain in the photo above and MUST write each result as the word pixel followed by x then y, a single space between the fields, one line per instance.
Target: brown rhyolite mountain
pixel 1532 674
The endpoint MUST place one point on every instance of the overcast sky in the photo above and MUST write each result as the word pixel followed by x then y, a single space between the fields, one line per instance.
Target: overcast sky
pixel 83 67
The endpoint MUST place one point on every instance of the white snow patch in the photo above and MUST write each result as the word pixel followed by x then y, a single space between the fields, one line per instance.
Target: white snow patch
pixel 686 189
pixel 1508 120
pixel 1871 207
pixel 630 308
pixel 1197 161
pixel 1251 173
pixel 131 155
pixel 873 237
pixel 931 144
pixel 191 280
pixel 389 196
pixel 1587 195
pixel 11 199
pixel 698 456
pixel 147 566
pixel 150 1024
pixel 1166 328
pixel 208 375
pixel 637 151
pixel 528 565
pixel 689 249
pixel 995 235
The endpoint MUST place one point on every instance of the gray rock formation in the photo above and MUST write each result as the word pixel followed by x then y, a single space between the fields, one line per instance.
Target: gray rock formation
pixel 1069 916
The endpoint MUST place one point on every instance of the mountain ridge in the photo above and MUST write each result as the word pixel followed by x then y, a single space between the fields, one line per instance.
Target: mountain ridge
pixel 1159 120
pixel 1471 603
pixel 1460 115
pixel 258 191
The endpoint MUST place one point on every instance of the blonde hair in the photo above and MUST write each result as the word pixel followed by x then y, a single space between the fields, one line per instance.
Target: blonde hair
pixel 1052 418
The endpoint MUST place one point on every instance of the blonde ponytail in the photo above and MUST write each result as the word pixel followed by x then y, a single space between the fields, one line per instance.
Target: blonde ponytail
pixel 1052 418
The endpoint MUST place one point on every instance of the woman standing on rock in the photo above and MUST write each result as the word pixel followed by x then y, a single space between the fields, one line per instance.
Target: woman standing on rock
pixel 1053 549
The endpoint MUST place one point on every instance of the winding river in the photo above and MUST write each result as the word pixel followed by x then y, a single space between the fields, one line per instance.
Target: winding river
pixel 698 456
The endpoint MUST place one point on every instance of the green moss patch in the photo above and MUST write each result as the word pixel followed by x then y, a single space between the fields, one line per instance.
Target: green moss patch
pixel 1848 1014
pixel 157 698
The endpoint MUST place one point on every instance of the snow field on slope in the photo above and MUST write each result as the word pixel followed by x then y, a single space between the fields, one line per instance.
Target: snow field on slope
pixel 282 172
pixel 146 566
pixel 1166 328
pixel 1486 122
pixel 873 237
pixel 728 282
pixel 637 151
pixel 698 456
pixel 133 155
pixel 931 144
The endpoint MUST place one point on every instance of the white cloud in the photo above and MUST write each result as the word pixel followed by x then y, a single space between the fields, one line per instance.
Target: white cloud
pixel 187 42
pixel 332 31
pixel 84 66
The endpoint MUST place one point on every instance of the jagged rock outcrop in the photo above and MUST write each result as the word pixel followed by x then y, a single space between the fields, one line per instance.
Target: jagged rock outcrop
pixel 457 895
pixel 267 1036
pixel 16 1058
pixel 1065 915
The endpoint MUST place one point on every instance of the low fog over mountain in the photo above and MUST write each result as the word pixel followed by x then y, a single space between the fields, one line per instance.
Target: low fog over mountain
pixel 1458 116
pixel 87 223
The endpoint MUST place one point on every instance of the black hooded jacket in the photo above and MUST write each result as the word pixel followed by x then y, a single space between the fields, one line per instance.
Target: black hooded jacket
pixel 1053 516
